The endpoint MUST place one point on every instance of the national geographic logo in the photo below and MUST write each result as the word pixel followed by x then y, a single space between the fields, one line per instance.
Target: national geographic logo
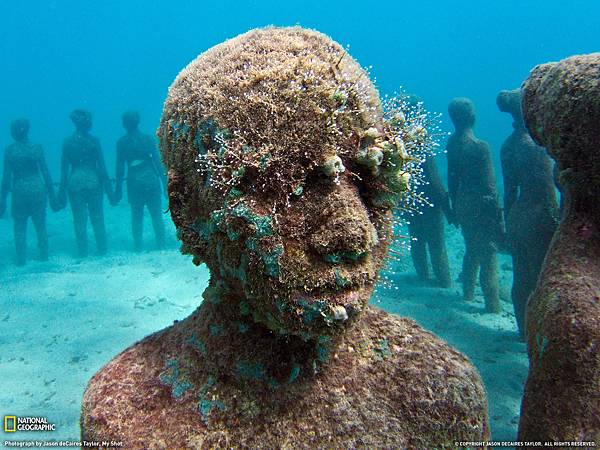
pixel 14 423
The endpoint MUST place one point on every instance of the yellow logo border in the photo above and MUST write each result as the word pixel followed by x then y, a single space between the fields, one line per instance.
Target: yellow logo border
pixel 14 428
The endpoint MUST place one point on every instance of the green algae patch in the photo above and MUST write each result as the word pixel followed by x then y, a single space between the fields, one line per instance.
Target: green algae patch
pixel 207 405
pixel 382 349
pixel 312 311
pixel 247 370
pixel 175 379
pixel 294 373
pixel 197 344
pixel 322 348
pixel 216 329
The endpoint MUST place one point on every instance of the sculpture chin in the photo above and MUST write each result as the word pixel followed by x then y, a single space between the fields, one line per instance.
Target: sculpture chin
pixel 333 308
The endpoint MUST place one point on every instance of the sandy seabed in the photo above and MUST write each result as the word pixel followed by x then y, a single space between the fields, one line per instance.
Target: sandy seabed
pixel 62 320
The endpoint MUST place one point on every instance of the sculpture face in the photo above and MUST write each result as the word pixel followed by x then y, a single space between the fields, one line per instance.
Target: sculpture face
pixel 306 265
pixel 131 120
pixel 82 120
pixel 510 102
pixel 462 113
pixel 282 177
pixel 19 129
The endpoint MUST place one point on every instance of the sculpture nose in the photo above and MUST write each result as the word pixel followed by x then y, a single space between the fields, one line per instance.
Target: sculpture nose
pixel 345 233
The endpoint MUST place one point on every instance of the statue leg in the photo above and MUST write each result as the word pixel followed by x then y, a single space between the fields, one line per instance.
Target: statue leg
pixel 520 289
pixel 137 223
pixel 39 222
pixel 79 210
pixel 470 265
pixel 439 256
pixel 20 231
pixel 154 207
pixel 96 207
pixel 488 278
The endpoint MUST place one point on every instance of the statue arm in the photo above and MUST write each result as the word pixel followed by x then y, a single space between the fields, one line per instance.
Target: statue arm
pixel 453 175
pixel 438 192
pixel 6 182
pixel 119 172
pixel 509 171
pixel 64 175
pixel 489 179
pixel 487 170
pixel 102 172
pixel 46 177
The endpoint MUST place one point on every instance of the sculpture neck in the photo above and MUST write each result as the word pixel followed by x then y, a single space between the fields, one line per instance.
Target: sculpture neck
pixel 519 124
pixel 465 132
pixel 580 194
pixel 233 345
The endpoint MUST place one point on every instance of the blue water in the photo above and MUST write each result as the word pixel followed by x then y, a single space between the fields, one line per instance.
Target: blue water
pixel 113 55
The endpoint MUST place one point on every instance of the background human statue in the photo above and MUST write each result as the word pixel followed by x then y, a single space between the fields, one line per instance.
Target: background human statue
pixel 137 152
pixel 283 174
pixel 472 189
pixel 561 107
pixel 26 176
pixel 427 228
pixel 426 225
pixel 84 179
pixel 530 206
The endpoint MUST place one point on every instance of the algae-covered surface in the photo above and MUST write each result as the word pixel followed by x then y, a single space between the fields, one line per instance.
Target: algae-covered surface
pixel 62 320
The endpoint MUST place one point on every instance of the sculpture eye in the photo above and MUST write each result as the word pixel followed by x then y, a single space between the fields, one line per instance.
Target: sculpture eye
pixel 333 166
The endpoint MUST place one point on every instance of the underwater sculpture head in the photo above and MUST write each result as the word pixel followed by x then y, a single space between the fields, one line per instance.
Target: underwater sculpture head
pixel 282 171
pixel 82 120
pixel 282 176
pixel 19 129
pixel 510 102
pixel 131 120
pixel 561 105
pixel 462 113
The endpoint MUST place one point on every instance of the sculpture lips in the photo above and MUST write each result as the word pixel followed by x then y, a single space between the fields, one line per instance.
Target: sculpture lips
pixel 344 297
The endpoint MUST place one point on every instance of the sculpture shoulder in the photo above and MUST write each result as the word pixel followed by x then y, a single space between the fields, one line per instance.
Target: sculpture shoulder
pixel 409 344
pixel 10 150
pixel 481 145
pixel 68 141
pixel 71 142
pixel 127 386
pixel 380 388
pixel 122 142
pixel 452 143
pixel 38 150
pixel 414 370
pixel 94 141
pixel 148 139
pixel 510 145
pixel 24 150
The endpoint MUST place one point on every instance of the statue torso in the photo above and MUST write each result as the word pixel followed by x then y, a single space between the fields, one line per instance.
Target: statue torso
pixel 81 151
pixel 24 161
pixel 376 389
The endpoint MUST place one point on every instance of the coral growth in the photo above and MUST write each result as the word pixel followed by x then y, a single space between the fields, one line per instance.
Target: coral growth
pixel 561 107
pixel 318 133
pixel 283 172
